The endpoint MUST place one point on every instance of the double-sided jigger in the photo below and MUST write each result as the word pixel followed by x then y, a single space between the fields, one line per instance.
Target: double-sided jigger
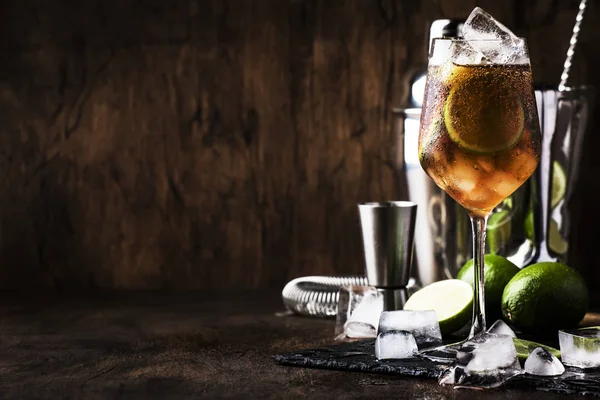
pixel 388 230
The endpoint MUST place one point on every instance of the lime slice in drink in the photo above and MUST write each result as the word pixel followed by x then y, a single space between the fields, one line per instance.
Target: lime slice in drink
pixel 559 184
pixel 555 239
pixel 528 226
pixel 498 230
pixel 451 299
pixel 525 347
pixel 481 113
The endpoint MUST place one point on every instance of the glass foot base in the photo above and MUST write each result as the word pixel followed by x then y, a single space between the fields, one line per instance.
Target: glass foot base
pixel 444 354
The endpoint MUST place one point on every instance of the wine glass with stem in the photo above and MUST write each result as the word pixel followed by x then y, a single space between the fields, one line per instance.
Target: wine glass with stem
pixel 479 137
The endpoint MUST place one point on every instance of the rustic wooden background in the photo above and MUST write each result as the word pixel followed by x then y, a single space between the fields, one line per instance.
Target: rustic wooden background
pixel 196 144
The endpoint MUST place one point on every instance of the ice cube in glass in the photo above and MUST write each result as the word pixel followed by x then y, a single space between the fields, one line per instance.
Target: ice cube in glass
pixel 480 25
pixel 493 40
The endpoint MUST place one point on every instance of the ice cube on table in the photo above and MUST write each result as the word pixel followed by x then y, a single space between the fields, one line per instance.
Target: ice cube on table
pixel 363 319
pixel 489 352
pixel 486 360
pixel 580 347
pixel 395 345
pixel 543 363
pixel 348 299
pixel 359 330
pixel 501 328
pixel 423 325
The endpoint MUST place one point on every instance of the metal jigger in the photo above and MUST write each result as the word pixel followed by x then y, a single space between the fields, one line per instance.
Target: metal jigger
pixel 388 238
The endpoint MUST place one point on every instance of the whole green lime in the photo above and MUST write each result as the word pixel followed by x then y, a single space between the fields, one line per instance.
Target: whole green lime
pixel 545 297
pixel 497 272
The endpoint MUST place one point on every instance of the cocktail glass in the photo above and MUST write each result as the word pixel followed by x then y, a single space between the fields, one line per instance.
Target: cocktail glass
pixel 479 134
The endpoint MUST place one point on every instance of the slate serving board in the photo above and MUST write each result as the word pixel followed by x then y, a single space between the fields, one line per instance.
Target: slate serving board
pixel 360 357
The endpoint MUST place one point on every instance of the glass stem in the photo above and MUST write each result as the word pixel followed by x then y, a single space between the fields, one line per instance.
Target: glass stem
pixel 479 226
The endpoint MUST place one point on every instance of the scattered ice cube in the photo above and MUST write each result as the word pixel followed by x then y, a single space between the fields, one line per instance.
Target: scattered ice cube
pixel 542 362
pixel 349 297
pixel 395 345
pixel 580 347
pixel 501 328
pixel 359 330
pixel 486 360
pixel 423 325
pixel 489 352
pixel 362 321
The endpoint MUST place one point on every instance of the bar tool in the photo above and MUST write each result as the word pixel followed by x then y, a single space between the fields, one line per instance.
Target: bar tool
pixel 388 239
pixel 317 296
pixel 564 77
pixel 564 119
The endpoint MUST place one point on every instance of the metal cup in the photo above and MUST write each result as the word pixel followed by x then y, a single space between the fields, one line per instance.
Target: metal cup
pixel 388 239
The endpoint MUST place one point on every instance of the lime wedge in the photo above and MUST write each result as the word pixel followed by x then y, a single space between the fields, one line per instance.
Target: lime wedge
pixel 559 184
pixel 451 299
pixel 481 113
pixel 525 347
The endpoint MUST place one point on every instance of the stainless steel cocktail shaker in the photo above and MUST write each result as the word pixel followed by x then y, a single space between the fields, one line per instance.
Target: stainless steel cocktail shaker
pixel 564 119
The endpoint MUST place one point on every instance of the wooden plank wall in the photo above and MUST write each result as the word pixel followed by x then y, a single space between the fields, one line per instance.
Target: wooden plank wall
pixel 198 144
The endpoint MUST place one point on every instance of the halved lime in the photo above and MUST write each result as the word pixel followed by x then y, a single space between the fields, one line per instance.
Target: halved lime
pixel 482 114
pixel 559 184
pixel 451 299
pixel 525 347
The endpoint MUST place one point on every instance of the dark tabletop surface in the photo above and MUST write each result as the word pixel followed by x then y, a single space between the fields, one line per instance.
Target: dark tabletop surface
pixel 163 346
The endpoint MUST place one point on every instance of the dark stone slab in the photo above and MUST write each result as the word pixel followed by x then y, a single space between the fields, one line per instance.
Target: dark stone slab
pixel 359 357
